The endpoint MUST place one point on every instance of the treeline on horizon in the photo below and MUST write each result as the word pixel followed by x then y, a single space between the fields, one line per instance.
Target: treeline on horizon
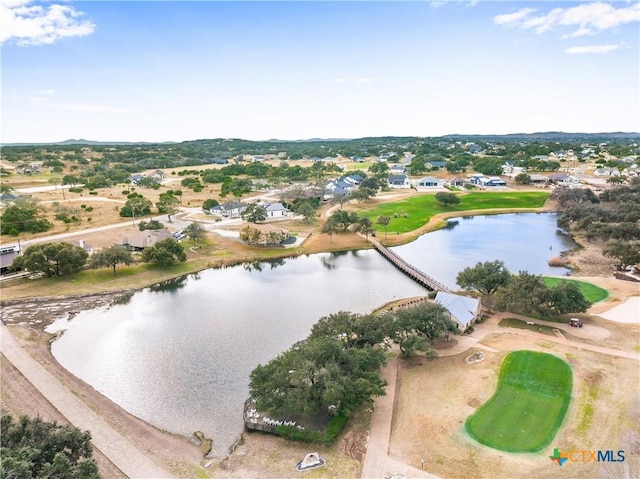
pixel 199 152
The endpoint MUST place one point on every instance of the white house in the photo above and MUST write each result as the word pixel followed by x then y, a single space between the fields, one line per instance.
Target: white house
pixel 275 210
pixel 230 209
pixel 399 181
pixel 464 310
pixel 429 182
pixel 564 179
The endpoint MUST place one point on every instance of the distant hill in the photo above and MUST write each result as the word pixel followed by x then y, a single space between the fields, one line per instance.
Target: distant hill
pixel 540 136
pixel 548 136
pixel 90 142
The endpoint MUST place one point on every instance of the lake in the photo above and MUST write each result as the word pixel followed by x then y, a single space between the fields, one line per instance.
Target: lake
pixel 179 354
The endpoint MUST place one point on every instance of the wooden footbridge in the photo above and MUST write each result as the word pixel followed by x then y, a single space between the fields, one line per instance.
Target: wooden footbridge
pixel 408 269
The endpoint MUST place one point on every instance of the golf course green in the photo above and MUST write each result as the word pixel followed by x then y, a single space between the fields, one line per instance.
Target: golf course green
pixel 529 405
pixel 591 292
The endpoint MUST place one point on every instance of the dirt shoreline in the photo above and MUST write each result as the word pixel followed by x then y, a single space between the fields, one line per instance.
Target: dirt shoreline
pixel 257 455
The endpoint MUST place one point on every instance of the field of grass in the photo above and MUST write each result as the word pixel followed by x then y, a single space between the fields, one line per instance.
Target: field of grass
pixel 529 405
pixel 591 292
pixel 414 212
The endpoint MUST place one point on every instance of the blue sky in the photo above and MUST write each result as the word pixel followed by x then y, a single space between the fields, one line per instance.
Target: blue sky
pixel 174 71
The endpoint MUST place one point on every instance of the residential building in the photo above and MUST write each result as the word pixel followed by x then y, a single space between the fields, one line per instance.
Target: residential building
pixel 399 182
pixel 464 310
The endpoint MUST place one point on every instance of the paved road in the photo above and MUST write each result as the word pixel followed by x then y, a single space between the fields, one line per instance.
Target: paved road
pixel 377 463
pixel 124 455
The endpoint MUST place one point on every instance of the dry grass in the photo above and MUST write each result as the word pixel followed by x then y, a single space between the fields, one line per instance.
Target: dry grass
pixel 436 397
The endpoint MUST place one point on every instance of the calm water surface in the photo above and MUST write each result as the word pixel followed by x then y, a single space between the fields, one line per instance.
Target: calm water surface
pixel 524 241
pixel 179 354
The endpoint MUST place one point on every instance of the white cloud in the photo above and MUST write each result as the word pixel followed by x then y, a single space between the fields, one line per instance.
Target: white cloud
pixel 513 18
pixel 585 19
pixel 592 49
pixel 27 24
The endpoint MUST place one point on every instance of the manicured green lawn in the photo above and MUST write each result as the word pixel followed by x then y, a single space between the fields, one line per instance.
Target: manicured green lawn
pixel 591 292
pixel 420 208
pixel 529 405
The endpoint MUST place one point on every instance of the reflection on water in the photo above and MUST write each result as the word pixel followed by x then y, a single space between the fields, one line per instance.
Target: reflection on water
pixel 524 241
pixel 179 354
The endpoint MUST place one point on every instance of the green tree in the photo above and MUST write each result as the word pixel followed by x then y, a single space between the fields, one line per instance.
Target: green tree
pixel 384 222
pixel 164 253
pixel 411 328
pixel 418 165
pixel 362 194
pixel 484 278
pixel 523 179
pixel 167 204
pixel 194 231
pixel 447 199
pixel 364 226
pixel 526 293
pixel 136 205
pixel 321 374
pixel 52 259
pixel 33 448
pixel 341 200
pixel 150 225
pixel 4 188
pixel 254 213
pixel 380 168
pixel 330 228
pixel 209 203
pixel 306 209
pixel 627 252
pixel 111 257
pixel 344 218
pixel 23 216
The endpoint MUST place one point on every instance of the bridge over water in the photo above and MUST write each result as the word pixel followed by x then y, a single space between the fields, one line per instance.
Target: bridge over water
pixel 408 269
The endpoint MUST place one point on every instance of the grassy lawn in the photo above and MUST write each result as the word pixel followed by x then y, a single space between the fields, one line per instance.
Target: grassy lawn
pixel 528 406
pixel 591 292
pixel 518 323
pixel 414 212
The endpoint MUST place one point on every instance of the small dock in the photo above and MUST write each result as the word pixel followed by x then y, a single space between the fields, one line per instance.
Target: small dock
pixel 408 269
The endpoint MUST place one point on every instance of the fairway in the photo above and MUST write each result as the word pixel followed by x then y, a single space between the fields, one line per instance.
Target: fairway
pixel 416 211
pixel 528 407
pixel 591 292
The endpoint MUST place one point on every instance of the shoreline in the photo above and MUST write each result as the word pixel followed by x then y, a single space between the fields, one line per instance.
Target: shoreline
pixel 348 242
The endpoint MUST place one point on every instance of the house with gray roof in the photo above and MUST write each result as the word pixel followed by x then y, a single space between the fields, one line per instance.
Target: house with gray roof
pixel 399 181
pixel 230 209
pixel 275 210
pixel 464 310
pixel 429 182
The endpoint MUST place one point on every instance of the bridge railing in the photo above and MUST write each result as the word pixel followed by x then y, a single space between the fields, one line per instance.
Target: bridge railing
pixel 409 268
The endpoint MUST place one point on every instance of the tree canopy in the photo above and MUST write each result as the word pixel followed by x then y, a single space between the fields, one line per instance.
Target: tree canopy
pixel 111 257
pixel 333 371
pixel 447 199
pixel 484 278
pixel 52 259
pixel 526 293
pixel 33 448
pixel 23 216
pixel 164 253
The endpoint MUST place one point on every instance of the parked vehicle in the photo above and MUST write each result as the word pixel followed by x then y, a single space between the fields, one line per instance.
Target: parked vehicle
pixel 575 322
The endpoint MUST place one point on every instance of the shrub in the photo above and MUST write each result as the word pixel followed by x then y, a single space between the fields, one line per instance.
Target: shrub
pixel 333 430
